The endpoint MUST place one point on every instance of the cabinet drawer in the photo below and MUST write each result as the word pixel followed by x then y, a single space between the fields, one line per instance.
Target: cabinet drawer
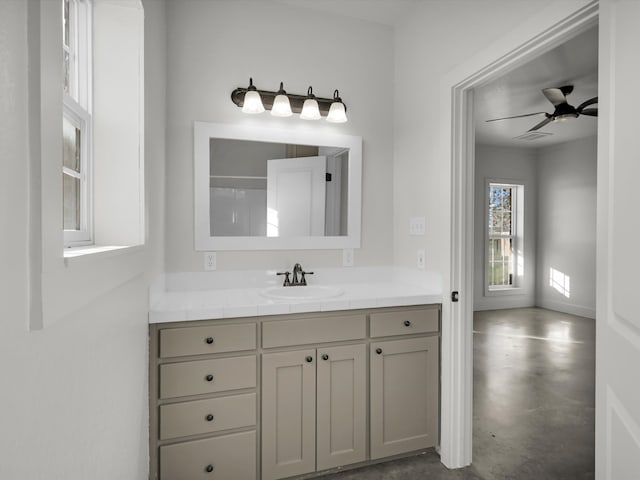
pixel 405 322
pixel 230 457
pixel 207 376
pixel 207 416
pixel 177 342
pixel 303 331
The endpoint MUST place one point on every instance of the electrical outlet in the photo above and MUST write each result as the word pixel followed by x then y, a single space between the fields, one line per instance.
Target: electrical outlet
pixel 420 259
pixel 210 261
pixel 416 226
pixel 347 257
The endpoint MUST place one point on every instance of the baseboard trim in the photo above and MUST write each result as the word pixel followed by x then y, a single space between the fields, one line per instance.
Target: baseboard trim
pixel 578 310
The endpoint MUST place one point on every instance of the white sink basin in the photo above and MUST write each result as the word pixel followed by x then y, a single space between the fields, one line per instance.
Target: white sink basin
pixel 307 292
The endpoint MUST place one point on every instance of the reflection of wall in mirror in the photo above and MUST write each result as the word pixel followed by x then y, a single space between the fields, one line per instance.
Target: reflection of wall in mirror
pixel 238 189
pixel 238 212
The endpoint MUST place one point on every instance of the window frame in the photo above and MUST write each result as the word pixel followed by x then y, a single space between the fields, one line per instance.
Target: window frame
pixel 516 236
pixel 77 110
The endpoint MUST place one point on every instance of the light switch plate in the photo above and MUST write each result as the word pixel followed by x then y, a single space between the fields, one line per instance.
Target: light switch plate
pixel 420 260
pixel 416 226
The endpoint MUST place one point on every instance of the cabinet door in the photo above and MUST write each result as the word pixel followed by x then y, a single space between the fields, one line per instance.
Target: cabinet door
pixel 288 413
pixel 341 408
pixel 404 395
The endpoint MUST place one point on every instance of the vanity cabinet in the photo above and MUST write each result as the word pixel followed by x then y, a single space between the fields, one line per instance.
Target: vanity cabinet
pixel 313 410
pixel 203 393
pixel 405 378
pixel 289 395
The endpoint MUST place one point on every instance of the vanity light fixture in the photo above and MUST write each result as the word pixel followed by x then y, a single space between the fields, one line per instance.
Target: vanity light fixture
pixel 252 100
pixel 283 104
pixel 337 111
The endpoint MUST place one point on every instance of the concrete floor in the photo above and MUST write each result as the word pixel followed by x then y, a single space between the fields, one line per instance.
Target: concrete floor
pixel 534 381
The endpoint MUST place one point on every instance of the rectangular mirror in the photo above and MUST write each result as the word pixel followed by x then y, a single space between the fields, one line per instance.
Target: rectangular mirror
pixel 260 188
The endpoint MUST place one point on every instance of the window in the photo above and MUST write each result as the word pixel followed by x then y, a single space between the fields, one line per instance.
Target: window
pixel 504 263
pixel 77 126
pixel 88 161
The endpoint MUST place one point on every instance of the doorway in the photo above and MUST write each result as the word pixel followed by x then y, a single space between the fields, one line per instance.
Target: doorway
pixel 457 348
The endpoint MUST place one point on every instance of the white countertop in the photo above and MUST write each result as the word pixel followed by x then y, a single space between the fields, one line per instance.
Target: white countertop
pixel 178 297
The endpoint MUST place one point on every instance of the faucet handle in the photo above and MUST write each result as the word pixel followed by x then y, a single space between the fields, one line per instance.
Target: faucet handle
pixel 287 282
pixel 303 281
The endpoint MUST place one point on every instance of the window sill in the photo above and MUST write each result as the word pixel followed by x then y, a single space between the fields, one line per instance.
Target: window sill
pixel 504 291
pixel 95 251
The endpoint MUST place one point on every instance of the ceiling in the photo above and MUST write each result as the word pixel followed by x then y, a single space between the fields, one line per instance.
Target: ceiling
pixel 385 12
pixel 519 92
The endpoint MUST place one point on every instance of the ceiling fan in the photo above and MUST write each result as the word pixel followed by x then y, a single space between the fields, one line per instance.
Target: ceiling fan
pixel 563 111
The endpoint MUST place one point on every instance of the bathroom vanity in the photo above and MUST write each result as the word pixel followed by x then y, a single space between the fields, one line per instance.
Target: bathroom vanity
pixel 269 396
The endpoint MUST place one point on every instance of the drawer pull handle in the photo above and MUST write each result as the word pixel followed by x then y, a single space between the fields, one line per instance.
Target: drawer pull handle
pixel 209 378
pixel 209 340
pixel 309 359
pixel 209 418
pixel 378 351
pixel 325 357
pixel 208 468
pixel 407 323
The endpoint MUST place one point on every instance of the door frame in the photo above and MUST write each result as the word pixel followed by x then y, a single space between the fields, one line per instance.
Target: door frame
pixel 550 28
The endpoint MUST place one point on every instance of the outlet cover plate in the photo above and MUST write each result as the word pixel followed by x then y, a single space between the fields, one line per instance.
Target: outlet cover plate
pixel 210 261
pixel 347 257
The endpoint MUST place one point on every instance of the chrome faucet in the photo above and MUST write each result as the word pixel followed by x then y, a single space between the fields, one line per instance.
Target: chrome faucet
pixel 298 278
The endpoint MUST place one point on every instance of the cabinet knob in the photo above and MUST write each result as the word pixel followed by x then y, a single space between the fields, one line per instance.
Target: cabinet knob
pixel 209 418
pixel 407 323
pixel 209 378
pixel 378 351
pixel 325 357
pixel 209 340
pixel 309 359
pixel 208 468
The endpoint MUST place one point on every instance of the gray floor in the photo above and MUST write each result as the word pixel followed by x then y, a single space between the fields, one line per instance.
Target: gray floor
pixel 533 403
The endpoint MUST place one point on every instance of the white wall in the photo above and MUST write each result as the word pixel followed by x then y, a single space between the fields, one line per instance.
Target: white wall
pixel 567 227
pixel 215 47
pixel 516 165
pixel 434 39
pixel 74 395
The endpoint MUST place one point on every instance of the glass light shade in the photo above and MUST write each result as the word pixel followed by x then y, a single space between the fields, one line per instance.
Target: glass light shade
pixel 252 102
pixel 310 110
pixel 337 113
pixel 565 116
pixel 281 106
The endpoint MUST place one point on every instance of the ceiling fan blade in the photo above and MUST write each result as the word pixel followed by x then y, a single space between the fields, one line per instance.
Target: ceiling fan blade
pixel 591 101
pixel 592 112
pixel 541 124
pixel 518 116
pixel 557 96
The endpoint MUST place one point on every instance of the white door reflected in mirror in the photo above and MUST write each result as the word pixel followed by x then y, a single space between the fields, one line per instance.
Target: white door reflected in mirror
pixel 296 196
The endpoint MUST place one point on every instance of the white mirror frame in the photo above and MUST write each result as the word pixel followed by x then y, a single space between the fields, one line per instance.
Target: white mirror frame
pixel 204 131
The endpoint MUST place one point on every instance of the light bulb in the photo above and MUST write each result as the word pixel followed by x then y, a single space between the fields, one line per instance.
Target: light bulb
pixel 281 106
pixel 310 109
pixel 337 111
pixel 252 100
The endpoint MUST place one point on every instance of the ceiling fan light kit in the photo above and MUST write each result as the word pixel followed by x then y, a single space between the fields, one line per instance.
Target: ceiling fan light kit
pixel 563 110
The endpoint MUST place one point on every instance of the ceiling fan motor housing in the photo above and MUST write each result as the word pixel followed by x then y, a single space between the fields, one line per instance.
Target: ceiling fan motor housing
pixel 563 111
